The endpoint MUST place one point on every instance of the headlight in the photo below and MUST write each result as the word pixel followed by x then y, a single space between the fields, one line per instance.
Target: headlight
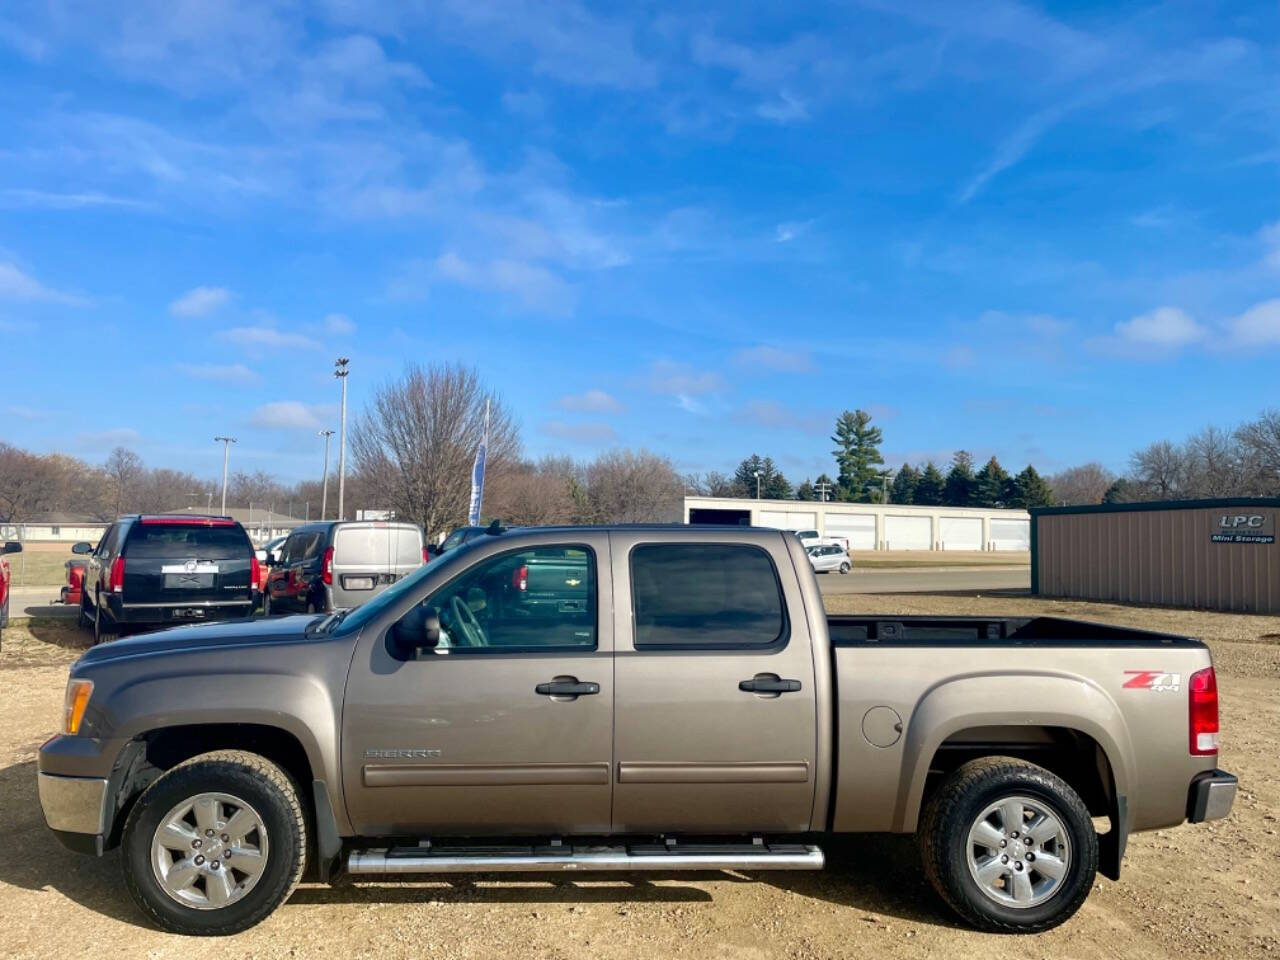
pixel 78 694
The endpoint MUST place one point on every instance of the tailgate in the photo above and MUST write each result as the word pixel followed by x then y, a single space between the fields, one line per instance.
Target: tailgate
pixel 191 564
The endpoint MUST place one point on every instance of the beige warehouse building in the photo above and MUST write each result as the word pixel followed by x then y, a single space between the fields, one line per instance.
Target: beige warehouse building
pixel 1212 554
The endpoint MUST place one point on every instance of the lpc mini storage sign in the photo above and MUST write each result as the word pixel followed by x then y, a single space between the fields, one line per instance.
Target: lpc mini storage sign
pixel 1244 528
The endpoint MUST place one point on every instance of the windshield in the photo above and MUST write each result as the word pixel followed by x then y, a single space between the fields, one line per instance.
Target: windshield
pixel 357 618
pixel 454 539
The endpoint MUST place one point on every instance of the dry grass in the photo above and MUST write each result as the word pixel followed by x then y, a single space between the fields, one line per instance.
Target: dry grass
pixel 922 559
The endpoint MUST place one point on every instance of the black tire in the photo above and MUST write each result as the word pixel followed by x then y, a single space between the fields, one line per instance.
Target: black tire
pixel 104 628
pixel 247 776
pixel 83 621
pixel 944 830
pixel 844 568
pixel 266 604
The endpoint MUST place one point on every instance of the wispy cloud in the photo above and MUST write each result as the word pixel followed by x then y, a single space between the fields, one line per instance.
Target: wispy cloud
pixel 1257 326
pixel 790 230
pixel 1164 327
pixel 593 401
pixel 16 284
pixel 265 336
pixel 47 200
pixel 526 285
pixel 291 415
pixel 1011 150
pixel 765 357
pixel 339 324
pixel 200 302
pixel 218 372
pixel 590 432
pixel 110 437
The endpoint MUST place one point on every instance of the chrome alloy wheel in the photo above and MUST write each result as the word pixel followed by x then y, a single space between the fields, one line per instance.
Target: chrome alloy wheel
pixel 209 851
pixel 1019 852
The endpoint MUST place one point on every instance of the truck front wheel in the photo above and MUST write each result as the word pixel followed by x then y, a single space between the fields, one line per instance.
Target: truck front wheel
pixel 1009 846
pixel 215 845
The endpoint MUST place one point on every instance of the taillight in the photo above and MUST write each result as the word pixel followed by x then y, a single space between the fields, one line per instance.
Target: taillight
pixel 255 571
pixel 1203 717
pixel 426 555
pixel 327 574
pixel 115 579
pixel 520 579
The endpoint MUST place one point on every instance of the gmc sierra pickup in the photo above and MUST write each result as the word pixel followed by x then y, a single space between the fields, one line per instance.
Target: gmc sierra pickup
pixel 630 698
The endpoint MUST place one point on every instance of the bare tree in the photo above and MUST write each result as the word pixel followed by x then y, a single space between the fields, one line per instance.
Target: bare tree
pixel 1159 470
pixel 538 494
pixel 416 440
pixel 1213 464
pixel 1260 448
pixel 624 486
pixel 25 485
pixel 124 468
pixel 1085 484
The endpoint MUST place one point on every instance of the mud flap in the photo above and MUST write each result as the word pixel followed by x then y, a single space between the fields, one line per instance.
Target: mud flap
pixel 1112 843
pixel 328 843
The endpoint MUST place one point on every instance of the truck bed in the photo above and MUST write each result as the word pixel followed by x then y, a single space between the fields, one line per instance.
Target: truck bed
pixel 851 631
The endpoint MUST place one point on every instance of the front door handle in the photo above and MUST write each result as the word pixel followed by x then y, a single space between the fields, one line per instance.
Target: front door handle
pixel 567 688
pixel 768 683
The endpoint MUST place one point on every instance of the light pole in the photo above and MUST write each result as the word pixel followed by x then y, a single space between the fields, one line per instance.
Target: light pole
pixel 324 495
pixel 340 371
pixel 226 451
pixel 757 484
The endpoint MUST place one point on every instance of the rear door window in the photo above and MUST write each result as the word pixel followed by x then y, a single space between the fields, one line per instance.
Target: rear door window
pixel 705 595
pixel 164 541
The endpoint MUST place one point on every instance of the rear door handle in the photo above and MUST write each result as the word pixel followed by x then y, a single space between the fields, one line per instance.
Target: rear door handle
pixel 567 688
pixel 767 683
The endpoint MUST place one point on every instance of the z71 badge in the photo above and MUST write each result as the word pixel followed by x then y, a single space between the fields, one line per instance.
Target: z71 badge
pixel 1154 680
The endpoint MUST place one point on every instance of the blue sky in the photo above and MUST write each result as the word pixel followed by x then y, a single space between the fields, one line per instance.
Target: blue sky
pixel 1048 232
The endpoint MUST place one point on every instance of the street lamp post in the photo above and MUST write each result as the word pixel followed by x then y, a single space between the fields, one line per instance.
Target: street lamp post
pixel 226 451
pixel 340 371
pixel 324 495
pixel 757 484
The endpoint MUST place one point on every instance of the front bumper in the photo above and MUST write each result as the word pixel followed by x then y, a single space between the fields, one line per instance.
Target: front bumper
pixel 1211 795
pixel 75 808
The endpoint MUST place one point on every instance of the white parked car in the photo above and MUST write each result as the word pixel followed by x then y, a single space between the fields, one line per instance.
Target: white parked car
pixel 810 538
pixel 826 557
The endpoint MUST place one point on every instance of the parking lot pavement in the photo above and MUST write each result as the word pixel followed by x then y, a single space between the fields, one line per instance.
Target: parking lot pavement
pixel 927 580
pixel 37 602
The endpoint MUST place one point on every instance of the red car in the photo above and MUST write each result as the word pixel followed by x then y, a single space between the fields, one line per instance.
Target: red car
pixel 5 579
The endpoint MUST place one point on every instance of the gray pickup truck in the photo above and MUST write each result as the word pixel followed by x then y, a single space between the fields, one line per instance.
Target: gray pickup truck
pixel 629 698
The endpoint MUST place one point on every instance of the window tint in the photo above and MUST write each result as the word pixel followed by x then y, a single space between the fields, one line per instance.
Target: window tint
pixel 705 595
pixel 544 597
pixel 168 541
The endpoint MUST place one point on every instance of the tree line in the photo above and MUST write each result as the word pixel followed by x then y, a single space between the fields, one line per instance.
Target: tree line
pixel 411 452
pixel 413 445
pixel 1215 462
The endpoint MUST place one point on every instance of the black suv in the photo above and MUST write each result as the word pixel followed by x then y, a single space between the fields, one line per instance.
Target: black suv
pixel 162 570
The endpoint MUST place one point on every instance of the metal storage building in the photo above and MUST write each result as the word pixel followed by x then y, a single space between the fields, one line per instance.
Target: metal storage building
pixel 1213 554
pixel 873 526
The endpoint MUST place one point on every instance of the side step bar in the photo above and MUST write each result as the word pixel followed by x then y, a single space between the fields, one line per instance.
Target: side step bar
pixel 788 856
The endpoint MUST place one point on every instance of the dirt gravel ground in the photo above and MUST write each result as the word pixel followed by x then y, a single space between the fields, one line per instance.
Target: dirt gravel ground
pixel 1209 890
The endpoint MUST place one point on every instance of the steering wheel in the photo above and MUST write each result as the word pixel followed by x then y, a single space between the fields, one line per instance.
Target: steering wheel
pixel 468 625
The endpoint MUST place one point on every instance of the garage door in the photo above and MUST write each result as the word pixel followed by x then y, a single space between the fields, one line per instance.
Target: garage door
pixel 960 533
pixel 908 533
pixel 1011 534
pixel 789 519
pixel 858 528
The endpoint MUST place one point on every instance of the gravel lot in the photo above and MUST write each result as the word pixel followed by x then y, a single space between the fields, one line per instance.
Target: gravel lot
pixel 1207 890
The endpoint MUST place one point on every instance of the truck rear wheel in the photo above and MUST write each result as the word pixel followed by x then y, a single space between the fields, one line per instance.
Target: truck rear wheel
pixel 215 845
pixel 1009 846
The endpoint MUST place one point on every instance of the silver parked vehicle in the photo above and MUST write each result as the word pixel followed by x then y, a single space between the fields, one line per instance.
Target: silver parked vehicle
pixel 827 557
pixel 335 565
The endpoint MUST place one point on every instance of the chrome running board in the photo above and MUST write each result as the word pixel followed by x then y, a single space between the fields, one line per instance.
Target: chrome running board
pixel 558 859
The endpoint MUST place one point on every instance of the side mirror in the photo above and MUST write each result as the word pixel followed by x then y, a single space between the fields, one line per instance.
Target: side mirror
pixel 82 548
pixel 419 629
pixel 13 546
